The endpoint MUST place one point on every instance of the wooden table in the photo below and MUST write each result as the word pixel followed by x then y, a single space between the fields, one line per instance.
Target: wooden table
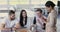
pixel 23 30
pixel 18 30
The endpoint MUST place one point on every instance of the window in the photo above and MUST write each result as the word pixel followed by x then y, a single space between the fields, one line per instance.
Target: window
pixel 55 1
pixel 3 2
pixel 24 1
pixel 34 2
pixel 42 2
pixel 15 2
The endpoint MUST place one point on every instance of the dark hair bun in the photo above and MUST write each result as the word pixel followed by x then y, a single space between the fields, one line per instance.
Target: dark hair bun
pixel 50 3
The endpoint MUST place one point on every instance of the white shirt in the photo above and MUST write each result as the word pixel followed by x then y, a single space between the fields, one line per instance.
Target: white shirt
pixel 10 24
pixel 39 23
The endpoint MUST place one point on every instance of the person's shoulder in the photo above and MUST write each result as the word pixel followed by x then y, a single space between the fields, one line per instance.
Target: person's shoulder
pixel 4 20
pixel 53 14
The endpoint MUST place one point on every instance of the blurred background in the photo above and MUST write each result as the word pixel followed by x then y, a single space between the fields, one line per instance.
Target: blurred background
pixel 29 5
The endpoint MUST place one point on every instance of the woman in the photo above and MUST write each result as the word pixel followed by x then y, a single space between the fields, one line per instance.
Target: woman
pixel 25 22
pixel 52 17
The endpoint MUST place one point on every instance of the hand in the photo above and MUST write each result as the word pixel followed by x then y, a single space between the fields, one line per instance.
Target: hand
pixel 13 28
pixel 45 18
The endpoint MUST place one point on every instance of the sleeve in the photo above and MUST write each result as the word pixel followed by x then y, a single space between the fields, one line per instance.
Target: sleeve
pixel 52 19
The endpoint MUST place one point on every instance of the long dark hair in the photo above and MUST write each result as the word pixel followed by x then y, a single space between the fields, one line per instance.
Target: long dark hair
pixel 21 18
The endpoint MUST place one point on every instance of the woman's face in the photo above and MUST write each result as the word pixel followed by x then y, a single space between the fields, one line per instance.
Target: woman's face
pixel 48 9
pixel 24 14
